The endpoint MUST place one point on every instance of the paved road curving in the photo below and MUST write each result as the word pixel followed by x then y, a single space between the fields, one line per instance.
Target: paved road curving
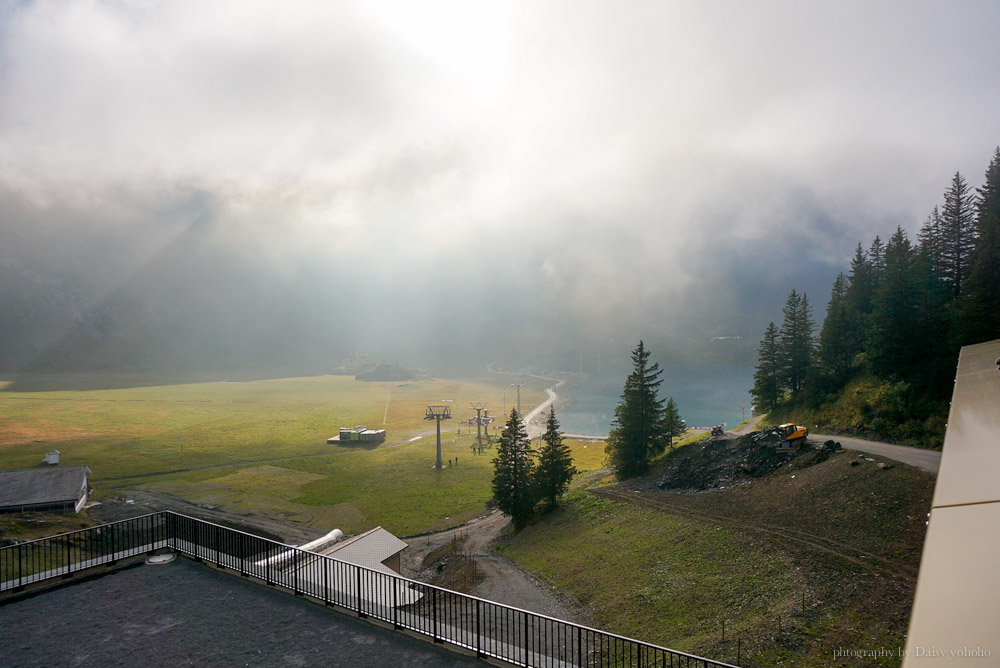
pixel 925 460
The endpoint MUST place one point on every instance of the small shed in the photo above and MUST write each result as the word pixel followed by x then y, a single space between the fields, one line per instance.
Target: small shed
pixel 376 549
pixel 52 457
pixel 50 490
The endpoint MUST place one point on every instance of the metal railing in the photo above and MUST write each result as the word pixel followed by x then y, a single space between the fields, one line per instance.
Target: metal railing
pixel 487 628
pixel 68 553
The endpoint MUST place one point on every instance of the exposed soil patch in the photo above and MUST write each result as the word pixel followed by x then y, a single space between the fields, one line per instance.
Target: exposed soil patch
pixel 723 462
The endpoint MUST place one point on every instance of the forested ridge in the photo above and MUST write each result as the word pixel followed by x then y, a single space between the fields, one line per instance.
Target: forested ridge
pixel 884 359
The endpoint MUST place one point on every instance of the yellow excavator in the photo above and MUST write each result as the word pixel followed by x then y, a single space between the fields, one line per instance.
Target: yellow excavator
pixel 788 436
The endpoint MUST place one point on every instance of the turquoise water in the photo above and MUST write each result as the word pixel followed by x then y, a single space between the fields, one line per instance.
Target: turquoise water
pixel 705 396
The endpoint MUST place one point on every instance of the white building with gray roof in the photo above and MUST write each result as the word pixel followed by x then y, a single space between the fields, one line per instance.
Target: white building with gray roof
pixel 44 490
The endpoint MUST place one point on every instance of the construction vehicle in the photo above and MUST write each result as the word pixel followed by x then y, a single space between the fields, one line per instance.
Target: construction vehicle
pixel 786 437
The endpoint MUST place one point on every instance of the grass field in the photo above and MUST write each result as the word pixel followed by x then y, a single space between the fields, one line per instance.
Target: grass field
pixel 648 575
pixel 260 447
pixel 807 560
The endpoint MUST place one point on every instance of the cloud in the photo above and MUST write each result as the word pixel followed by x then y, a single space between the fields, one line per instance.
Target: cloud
pixel 572 164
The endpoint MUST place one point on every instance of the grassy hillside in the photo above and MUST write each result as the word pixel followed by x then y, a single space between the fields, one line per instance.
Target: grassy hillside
pixel 872 408
pixel 260 447
pixel 830 549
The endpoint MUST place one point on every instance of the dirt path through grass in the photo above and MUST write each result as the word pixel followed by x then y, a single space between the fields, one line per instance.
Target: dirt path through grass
pixel 501 580
pixel 133 503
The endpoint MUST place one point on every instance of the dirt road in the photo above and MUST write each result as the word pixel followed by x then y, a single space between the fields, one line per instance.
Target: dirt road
pixel 133 503
pixel 502 581
pixel 925 460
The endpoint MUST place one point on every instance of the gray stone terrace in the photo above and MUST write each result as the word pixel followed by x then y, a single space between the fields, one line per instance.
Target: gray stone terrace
pixel 188 614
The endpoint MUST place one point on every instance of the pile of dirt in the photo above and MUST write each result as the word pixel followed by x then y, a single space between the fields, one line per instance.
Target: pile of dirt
pixel 719 463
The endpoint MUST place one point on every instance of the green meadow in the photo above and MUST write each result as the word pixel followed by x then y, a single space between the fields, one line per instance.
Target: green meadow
pixel 259 447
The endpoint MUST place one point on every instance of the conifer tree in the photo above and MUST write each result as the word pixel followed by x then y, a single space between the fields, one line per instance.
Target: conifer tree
pixel 837 342
pixel 958 232
pixel 876 259
pixel 513 473
pixel 907 337
pixel 859 299
pixel 795 341
pixel 675 426
pixel 767 385
pixel 861 285
pixel 555 463
pixel 931 243
pixel 980 306
pixel 637 430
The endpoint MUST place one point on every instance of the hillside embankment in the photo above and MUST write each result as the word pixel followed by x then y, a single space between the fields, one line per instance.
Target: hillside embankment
pixel 798 556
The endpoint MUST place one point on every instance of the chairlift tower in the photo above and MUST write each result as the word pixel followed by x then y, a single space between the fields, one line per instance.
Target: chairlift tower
pixel 518 386
pixel 478 407
pixel 438 413
pixel 488 420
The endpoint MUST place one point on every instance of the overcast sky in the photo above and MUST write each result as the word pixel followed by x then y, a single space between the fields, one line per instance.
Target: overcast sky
pixel 600 161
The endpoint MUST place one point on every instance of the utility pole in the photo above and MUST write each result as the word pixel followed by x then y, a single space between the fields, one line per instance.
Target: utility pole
pixel 438 413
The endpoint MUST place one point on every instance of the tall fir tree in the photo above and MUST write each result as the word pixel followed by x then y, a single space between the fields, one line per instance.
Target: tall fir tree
pixel 859 298
pixel 675 426
pixel 908 333
pixel 513 473
pixel 637 431
pixel 838 345
pixel 767 384
pixel 957 232
pixel 979 311
pixel 555 463
pixel 931 243
pixel 876 259
pixel 795 340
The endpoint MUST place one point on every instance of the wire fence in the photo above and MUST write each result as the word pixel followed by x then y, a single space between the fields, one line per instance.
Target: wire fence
pixel 487 628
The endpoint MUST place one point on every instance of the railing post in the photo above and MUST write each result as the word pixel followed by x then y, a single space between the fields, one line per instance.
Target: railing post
pixel 479 629
pixel 69 559
pixel 20 565
pixel 239 554
pixel 579 646
pixel 295 574
pixel 526 639
pixel 357 589
pixel 395 602
pixel 434 612
pixel 326 581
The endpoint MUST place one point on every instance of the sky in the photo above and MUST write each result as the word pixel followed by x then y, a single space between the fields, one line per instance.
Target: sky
pixel 471 177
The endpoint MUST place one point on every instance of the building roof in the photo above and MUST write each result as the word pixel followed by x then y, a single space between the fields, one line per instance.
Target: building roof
pixel 369 549
pixel 40 486
pixel 957 601
pixel 187 614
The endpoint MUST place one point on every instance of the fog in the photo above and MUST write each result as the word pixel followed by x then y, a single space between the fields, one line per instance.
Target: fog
pixel 245 186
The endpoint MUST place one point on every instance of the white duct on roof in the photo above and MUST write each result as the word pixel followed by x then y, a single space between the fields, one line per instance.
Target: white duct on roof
pixel 315 546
